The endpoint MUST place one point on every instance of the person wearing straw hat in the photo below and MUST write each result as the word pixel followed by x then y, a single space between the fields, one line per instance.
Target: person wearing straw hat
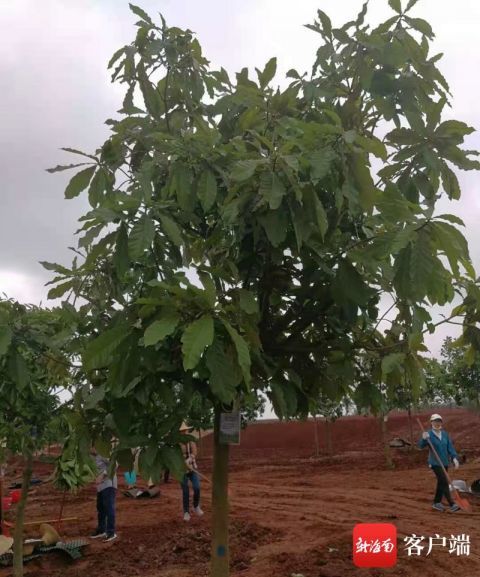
pixel 106 495
pixel 442 443
pixel 189 450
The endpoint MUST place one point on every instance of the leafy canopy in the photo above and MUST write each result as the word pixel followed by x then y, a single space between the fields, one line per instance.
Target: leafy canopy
pixel 240 240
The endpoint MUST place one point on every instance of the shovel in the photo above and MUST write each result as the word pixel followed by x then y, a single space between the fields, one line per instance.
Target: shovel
pixel 460 501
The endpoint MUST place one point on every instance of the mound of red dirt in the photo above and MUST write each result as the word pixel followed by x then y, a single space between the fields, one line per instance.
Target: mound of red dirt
pixel 290 513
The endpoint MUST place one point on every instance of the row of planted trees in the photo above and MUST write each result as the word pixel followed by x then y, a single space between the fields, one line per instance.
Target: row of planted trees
pixel 239 243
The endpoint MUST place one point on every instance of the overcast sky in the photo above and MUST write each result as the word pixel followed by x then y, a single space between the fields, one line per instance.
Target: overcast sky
pixel 55 91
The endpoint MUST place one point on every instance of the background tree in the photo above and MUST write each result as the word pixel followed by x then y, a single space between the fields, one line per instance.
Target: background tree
pixel 439 390
pixel 237 243
pixel 461 372
pixel 33 371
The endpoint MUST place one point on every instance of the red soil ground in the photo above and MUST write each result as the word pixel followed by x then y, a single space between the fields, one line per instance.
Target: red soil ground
pixel 291 513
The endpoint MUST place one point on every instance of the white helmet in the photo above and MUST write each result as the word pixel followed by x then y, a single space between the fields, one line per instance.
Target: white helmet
pixel 436 417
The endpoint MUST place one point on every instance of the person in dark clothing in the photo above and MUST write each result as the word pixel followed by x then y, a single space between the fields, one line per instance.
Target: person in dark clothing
pixel 446 451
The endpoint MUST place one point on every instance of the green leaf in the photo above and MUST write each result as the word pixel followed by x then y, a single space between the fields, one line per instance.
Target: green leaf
pixel 321 215
pixel 402 280
pixel 283 395
pixel 100 352
pixel 153 101
pixel 349 285
pixel 60 290
pixel 450 182
pixel 80 153
pixel 141 13
pixel 141 237
pixel 182 186
pixel 55 267
pixel 5 339
pixel 121 260
pixel 60 168
pixel 173 460
pixel 116 55
pixel 393 361
pixel 410 4
pixel 17 369
pixel 209 287
pixel 320 163
pixel 79 182
pixel 224 375
pixel 326 23
pixel 403 136
pixel 421 26
pixel 268 73
pixel 160 329
pixel 171 229
pixel 248 302
pixel 97 187
pixel 372 144
pixel 452 242
pixel 243 353
pixel 451 218
pixel 207 189
pixel 275 225
pixel 96 396
pixel 396 5
pixel 453 128
pixel 196 337
pixel 272 189
pixel 364 183
pixel 415 375
pixel 243 170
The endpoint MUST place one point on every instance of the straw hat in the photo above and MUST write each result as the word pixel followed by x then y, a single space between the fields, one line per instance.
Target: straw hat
pixel 185 427
pixel 5 544
pixel 28 549
pixel 49 535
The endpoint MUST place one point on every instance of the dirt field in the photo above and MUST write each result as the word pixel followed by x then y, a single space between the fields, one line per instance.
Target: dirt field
pixel 291 513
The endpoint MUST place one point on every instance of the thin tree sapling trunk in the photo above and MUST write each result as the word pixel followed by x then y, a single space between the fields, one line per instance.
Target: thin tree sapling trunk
pixel 315 429
pixel 20 517
pixel 410 427
pixel 220 565
pixel 386 446
pixel 328 425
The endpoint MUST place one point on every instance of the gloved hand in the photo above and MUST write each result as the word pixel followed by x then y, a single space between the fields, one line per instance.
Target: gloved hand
pixel 425 435
pixel 456 464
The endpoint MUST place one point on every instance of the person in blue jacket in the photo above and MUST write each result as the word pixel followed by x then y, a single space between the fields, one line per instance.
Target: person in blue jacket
pixel 446 451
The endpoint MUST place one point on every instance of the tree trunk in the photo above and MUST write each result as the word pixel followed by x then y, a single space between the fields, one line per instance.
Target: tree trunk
pixel 410 427
pixel 20 516
pixel 386 446
pixel 1 498
pixel 328 430
pixel 315 432
pixel 220 565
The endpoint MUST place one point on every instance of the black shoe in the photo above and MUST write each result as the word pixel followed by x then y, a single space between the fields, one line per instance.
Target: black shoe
pixel 110 537
pixel 98 534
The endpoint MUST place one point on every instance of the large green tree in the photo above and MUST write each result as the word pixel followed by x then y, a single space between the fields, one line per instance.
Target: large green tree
pixel 240 241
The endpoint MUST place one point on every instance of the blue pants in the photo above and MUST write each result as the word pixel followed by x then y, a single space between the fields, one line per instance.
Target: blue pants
pixel 195 479
pixel 106 511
